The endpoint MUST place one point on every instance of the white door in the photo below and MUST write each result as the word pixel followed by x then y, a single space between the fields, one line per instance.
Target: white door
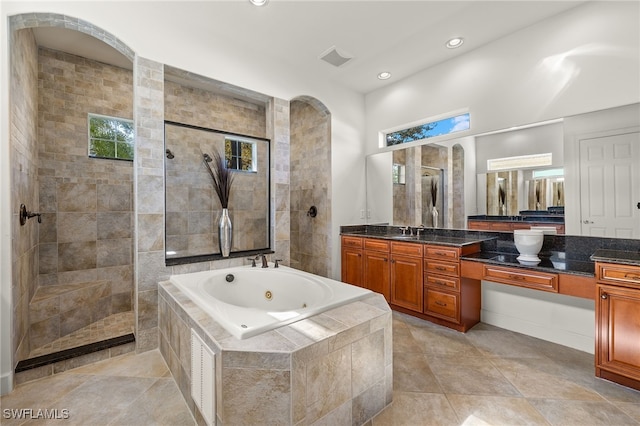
pixel 610 185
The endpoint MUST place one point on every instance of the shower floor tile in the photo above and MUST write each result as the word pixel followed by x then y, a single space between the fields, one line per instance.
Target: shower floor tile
pixel 112 326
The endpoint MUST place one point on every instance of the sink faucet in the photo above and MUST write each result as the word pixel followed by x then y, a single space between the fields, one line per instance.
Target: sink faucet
pixel 420 229
pixel 404 229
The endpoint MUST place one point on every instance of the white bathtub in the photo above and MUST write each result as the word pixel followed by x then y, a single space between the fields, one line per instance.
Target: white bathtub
pixel 261 299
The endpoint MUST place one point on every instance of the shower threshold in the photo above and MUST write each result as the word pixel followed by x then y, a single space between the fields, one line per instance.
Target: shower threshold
pixel 110 332
pixel 52 358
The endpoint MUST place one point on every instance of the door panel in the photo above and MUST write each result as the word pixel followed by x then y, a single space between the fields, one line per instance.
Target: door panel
pixel 610 185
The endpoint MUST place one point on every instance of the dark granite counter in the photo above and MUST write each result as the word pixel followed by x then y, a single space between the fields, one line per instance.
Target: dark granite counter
pixel 530 218
pixel 426 238
pixel 617 256
pixel 565 253
pixel 556 263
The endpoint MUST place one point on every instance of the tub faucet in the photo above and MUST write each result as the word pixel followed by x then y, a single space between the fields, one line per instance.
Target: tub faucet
pixel 264 261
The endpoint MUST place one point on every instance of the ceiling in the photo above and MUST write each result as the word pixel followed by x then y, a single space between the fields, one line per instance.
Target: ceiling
pixel 402 37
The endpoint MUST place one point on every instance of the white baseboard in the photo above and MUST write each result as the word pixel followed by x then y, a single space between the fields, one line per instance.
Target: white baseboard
pixel 6 383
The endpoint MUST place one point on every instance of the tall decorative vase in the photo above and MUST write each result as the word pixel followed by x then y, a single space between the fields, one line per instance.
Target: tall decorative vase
pixel 225 233
pixel 434 214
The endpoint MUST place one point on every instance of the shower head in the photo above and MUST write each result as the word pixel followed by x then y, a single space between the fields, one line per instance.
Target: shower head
pixel 169 154
pixel 207 158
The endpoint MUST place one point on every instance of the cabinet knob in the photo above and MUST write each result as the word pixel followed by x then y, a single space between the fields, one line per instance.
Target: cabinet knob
pixel 603 296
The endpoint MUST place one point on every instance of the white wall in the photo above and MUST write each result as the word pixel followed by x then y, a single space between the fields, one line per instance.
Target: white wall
pixel 585 59
pixel 6 309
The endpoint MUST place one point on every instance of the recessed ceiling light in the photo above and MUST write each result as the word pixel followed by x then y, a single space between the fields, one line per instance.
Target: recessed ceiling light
pixel 385 75
pixel 455 42
pixel 259 2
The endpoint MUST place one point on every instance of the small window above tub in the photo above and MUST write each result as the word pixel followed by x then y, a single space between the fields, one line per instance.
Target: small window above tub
pixel 240 154
pixel 110 137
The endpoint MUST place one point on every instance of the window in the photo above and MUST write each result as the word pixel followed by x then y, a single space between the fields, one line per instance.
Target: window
pixel 240 154
pixel 429 130
pixel 520 162
pixel 110 137
pixel 399 174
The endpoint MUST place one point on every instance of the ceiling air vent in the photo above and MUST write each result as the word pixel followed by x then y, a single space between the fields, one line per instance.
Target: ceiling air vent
pixel 335 58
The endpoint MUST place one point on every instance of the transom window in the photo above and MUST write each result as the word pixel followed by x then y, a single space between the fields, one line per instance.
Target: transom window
pixel 432 129
pixel 110 137
pixel 240 154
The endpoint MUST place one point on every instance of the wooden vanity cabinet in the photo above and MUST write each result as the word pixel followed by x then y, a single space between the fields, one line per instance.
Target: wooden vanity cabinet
pixel 618 323
pixel 376 268
pixel 449 300
pixel 406 276
pixel 352 260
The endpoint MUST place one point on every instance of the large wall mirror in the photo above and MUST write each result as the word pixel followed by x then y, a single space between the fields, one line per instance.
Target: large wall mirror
pixel 571 182
pixel 192 206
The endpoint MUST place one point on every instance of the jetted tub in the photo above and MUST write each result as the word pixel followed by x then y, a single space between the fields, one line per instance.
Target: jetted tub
pixel 248 301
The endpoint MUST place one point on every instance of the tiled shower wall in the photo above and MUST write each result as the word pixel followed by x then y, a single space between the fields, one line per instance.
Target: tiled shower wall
pixel 24 171
pixel 192 205
pixel 86 233
pixel 310 186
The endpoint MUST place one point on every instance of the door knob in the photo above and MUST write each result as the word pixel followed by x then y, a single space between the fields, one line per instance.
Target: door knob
pixel 587 222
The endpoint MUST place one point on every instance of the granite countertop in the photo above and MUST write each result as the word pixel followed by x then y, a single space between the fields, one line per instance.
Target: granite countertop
pixel 556 263
pixel 551 218
pixel 568 254
pixel 617 256
pixel 427 238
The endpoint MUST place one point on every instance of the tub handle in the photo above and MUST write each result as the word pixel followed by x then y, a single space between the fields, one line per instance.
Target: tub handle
pixel 276 263
pixel 253 261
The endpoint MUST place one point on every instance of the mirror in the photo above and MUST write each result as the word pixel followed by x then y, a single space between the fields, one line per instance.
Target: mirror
pixel 541 188
pixel 192 205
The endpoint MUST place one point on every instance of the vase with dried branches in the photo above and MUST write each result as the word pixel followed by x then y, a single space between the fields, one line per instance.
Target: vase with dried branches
pixel 502 197
pixel 434 199
pixel 222 179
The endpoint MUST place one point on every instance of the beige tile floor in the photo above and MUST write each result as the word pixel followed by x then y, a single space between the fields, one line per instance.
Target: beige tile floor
pixel 488 376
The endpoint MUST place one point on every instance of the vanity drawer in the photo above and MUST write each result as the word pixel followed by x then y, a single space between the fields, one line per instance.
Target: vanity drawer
pixel 354 242
pixel 376 245
pixel 407 249
pixel 441 304
pixel 522 278
pixel 618 274
pixel 441 281
pixel 439 252
pixel 444 268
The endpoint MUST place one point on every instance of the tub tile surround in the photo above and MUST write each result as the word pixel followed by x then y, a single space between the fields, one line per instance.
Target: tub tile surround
pixel 333 368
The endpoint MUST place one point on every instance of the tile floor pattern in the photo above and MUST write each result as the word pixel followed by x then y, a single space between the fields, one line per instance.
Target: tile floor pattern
pixel 115 325
pixel 488 376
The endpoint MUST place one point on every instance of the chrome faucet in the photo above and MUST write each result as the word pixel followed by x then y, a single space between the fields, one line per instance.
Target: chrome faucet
pixel 420 229
pixel 404 229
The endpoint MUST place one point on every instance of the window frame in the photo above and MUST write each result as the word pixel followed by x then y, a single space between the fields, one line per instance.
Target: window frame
pixel 91 138
pixel 254 162
pixel 385 143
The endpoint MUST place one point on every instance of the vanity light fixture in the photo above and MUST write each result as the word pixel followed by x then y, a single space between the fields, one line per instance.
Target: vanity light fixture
pixel 385 75
pixel 259 2
pixel 454 42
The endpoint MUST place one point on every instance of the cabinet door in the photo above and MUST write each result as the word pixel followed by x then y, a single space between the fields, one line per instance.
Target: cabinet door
pixel 618 330
pixel 377 273
pixel 352 266
pixel 406 282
